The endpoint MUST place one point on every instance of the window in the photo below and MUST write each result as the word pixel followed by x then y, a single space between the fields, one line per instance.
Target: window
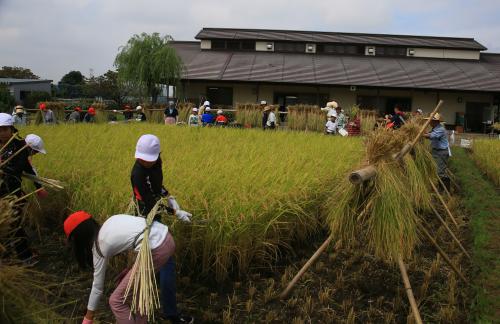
pixel 248 45
pixel 218 44
pixel 289 47
pixel 233 45
pixel 391 51
pixel 220 96
pixel 339 49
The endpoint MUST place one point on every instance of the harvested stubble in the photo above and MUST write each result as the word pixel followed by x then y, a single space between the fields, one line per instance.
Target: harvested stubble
pixel 250 192
pixel 486 154
pixel 388 203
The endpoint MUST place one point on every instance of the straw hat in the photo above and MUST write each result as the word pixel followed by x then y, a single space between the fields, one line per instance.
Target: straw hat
pixel 437 117
pixel 332 104
pixel 267 108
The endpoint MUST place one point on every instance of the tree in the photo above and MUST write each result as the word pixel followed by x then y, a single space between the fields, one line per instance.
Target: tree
pixel 147 61
pixel 36 96
pixel 107 87
pixel 17 73
pixel 7 101
pixel 71 85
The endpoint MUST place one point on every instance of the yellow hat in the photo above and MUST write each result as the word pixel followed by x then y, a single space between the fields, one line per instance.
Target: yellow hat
pixel 436 116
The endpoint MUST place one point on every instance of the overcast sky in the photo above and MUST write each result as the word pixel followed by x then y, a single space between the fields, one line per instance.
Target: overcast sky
pixel 53 37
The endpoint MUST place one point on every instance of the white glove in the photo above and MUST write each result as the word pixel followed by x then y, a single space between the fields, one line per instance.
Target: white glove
pixel 172 203
pixel 183 216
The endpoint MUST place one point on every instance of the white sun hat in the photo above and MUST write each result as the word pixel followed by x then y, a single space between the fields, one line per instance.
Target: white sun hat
pixel 138 108
pixel 195 109
pixel 206 103
pixel 263 102
pixel 208 109
pixel 36 143
pixel 6 120
pixel 148 148
pixel 219 111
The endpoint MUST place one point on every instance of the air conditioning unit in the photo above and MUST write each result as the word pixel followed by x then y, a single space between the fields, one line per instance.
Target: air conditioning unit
pixel 370 50
pixel 310 48
pixel 270 46
pixel 411 52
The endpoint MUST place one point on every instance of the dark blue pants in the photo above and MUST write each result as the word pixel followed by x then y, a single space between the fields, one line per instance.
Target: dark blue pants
pixel 167 288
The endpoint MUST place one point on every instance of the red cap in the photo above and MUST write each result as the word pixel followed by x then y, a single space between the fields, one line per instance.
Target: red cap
pixel 92 111
pixel 74 220
pixel 43 106
pixel 78 109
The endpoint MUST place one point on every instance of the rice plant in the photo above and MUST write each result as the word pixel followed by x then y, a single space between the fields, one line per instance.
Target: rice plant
pixel 486 154
pixel 252 193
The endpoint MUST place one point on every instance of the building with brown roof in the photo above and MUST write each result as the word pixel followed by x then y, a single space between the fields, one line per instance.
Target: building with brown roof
pixel 229 66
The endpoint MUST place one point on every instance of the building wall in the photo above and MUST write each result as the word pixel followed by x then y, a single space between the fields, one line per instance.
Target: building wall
pixel 446 53
pixel 15 89
pixel 454 101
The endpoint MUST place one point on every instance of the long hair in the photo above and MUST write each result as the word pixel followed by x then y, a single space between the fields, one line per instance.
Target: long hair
pixel 82 240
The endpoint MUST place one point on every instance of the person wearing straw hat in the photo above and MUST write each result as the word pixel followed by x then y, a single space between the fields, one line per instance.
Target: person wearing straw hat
pixel 331 109
pixel 171 114
pixel 265 113
pixel 194 119
pixel 147 188
pixel 93 246
pixel 14 160
pixel 19 116
pixel 440 147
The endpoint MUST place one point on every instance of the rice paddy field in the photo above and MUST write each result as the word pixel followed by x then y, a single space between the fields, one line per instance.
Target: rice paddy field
pixel 262 203
pixel 486 153
pixel 251 193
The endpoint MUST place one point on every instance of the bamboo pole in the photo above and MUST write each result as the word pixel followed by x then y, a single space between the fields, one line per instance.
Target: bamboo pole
pixel 444 204
pixel 8 142
pixel 362 175
pixel 443 254
pixel 27 195
pixel 13 156
pixel 451 232
pixel 444 187
pixel 306 266
pixel 409 291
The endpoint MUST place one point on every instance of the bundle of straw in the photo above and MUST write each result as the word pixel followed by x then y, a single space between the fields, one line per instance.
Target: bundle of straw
pixel 389 202
pixel 145 297
pixel 249 115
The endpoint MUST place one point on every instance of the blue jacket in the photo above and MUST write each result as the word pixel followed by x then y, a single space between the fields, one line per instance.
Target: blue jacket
pixel 207 118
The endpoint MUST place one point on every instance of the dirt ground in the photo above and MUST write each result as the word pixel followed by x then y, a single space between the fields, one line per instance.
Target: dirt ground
pixel 343 286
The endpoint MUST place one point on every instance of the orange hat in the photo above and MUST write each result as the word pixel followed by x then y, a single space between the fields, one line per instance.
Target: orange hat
pixel 78 109
pixel 74 220
pixel 91 111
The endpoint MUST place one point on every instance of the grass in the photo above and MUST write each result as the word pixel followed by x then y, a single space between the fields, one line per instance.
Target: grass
pixel 482 202
pixel 252 193
pixel 486 154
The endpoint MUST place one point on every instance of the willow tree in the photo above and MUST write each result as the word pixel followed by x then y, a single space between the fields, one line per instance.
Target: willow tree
pixel 147 62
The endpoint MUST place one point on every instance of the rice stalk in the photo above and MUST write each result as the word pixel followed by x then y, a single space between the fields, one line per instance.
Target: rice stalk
pixel 145 297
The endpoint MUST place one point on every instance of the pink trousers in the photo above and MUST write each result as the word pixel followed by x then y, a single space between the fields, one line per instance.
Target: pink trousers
pixel 121 310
